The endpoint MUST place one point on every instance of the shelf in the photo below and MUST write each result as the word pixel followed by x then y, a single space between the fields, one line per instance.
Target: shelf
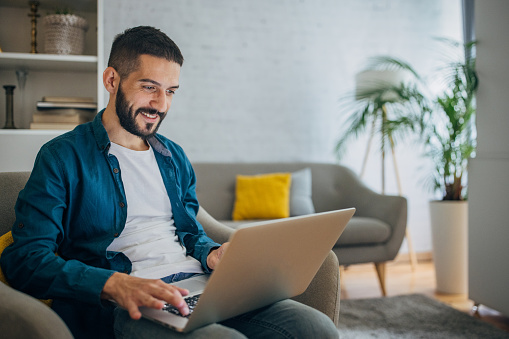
pixel 22 131
pixel 48 62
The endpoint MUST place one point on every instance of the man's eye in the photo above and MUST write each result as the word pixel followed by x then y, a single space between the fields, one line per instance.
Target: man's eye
pixel 149 88
pixel 170 92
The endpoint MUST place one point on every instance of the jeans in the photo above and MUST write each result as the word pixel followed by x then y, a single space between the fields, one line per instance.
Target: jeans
pixel 178 277
pixel 283 319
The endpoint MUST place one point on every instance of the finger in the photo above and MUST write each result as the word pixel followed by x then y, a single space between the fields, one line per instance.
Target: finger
pixel 182 291
pixel 165 291
pixel 212 261
pixel 159 289
pixel 154 303
pixel 172 295
pixel 176 299
pixel 134 312
pixel 223 249
pixel 183 308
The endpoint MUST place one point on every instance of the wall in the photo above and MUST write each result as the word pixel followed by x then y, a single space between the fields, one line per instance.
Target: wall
pixel 262 79
pixel 489 171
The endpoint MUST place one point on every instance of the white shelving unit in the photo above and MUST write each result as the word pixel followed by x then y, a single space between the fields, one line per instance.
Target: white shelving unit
pixel 48 74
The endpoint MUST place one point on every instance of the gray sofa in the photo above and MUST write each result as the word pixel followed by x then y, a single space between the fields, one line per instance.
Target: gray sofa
pixel 22 316
pixel 375 233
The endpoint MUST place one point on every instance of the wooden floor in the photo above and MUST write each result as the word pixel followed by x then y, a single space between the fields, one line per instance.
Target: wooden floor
pixel 361 281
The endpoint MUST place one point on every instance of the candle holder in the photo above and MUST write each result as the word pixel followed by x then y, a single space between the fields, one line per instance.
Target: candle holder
pixel 33 14
pixel 9 107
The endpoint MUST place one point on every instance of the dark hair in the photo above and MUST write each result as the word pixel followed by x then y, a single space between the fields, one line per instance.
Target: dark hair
pixel 133 42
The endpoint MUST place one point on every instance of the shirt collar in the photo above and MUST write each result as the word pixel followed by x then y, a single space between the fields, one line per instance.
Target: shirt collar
pixel 158 146
pixel 100 134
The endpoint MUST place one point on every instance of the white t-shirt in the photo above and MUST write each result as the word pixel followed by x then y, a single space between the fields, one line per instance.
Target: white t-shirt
pixel 148 239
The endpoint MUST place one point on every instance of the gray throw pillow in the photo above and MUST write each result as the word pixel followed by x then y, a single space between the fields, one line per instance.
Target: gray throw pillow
pixel 300 193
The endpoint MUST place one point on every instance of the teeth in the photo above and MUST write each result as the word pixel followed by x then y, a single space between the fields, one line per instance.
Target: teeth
pixel 151 116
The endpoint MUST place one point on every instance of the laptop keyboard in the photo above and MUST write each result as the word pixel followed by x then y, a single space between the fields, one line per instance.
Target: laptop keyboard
pixel 191 302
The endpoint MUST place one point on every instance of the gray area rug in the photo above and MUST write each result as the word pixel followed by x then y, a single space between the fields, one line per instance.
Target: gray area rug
pixel 409 316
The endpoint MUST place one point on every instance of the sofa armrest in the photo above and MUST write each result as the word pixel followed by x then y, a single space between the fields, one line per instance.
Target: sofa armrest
pixel 213 228
pixel 323 291
pixel 22 316
pixel 350 191
pixel 389 209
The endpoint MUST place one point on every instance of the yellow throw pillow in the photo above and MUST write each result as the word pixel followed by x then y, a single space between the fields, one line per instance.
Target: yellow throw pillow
pixel 6 240
pixel 263 196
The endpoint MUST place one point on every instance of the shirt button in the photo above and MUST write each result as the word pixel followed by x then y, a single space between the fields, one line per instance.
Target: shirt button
pixel 122 204
pixel 20 225
pixel 115 235
pixel 115 170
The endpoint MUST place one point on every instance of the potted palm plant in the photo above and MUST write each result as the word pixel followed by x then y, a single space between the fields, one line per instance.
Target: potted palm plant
pixel 449 135
pixel 450 142
pixel 445 124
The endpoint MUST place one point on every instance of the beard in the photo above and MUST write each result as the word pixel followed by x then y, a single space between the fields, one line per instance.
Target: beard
pixel 127 117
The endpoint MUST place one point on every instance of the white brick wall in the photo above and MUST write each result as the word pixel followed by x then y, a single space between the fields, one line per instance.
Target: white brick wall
pixel 262 79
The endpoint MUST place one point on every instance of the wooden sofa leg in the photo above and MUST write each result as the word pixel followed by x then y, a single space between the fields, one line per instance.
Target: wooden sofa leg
pixel 380 270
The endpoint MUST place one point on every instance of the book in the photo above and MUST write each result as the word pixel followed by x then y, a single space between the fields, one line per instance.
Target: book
pixel 61 118
pixel 43 125
pixel 66 99
pixel 55 104
pixel 63 115
pixel 66 111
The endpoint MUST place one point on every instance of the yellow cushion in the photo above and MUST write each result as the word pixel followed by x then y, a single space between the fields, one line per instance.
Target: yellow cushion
pixel 264 196
pixel 6 240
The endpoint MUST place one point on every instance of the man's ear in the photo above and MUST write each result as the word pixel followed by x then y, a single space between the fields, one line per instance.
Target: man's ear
pixel 111 79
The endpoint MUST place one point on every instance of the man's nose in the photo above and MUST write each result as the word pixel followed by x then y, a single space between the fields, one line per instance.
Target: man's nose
pixel 160 102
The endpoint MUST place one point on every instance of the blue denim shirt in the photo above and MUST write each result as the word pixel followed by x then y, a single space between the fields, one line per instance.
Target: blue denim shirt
pixel 74 205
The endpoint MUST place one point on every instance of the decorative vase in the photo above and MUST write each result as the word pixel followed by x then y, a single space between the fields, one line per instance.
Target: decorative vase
pixel 21 75
pixel 449 230
pixel 65 34
pixel 9 107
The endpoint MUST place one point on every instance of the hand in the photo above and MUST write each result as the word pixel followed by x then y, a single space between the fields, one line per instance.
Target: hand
pixel 215 256
pixel 133 292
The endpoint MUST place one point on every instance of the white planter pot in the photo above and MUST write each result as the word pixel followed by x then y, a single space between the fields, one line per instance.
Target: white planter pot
pixel 449 229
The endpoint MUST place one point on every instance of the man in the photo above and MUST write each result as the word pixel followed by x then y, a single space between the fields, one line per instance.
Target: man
pixel 116 203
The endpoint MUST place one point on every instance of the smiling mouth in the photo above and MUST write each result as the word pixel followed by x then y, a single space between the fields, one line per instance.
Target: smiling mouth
pixel 150 116
pixel 149 113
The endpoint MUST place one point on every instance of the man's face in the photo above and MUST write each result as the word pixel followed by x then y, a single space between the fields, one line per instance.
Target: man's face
pixel 144 97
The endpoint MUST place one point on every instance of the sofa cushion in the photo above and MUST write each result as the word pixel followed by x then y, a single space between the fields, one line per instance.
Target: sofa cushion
pixel 264 196
pixel 361 230
pixel 300 193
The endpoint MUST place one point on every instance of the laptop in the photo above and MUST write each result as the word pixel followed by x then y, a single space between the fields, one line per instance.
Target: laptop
pixel 266 262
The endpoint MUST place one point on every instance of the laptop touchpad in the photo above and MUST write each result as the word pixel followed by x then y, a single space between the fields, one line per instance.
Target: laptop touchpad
pixel 194 284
